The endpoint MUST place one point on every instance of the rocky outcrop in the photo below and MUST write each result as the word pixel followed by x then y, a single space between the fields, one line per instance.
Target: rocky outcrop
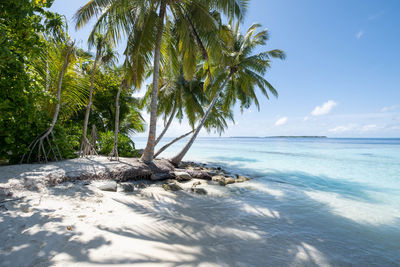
pixel 199 174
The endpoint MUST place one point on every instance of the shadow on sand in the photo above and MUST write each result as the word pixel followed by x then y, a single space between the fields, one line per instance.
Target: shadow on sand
pixel 246 227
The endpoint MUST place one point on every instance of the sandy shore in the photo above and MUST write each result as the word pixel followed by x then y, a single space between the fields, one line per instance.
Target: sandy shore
pixel 77 224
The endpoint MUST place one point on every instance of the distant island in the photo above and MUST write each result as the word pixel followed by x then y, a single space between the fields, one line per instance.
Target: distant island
pixel 282 136
pixel 300 136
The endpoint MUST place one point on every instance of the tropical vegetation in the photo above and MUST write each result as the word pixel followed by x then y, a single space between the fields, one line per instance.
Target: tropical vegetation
pixel 60 101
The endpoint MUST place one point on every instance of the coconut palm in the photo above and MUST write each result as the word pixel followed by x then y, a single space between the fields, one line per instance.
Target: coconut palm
pixel 178 98
pixel 238 72
pixel 143 23
pixel 216 121
pixel 104 55
pixel 134 114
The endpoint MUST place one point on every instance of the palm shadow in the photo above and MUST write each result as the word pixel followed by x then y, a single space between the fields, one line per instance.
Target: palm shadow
pixel 265 222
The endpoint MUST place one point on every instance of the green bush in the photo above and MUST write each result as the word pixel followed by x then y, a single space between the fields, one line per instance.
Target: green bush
pixel 126 147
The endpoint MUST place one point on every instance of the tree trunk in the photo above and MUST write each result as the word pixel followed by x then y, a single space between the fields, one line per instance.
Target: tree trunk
pixel 171 118
pixel 194 34
pixel 178 158
pixel 39 140
pixel 114 151
pixel 149 150
pixel 85 141
pixel 170 143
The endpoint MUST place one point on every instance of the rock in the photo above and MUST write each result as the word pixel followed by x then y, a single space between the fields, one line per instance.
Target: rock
pixel 196 184
pixel 225 180
pixel 171 187
pixel 162 176
pixel 241 179
pixel 142 185
pixel 126 187
pixel 200 191
pixel 217 178
pixel 108 186
pixel 229 180
pixel 196 174
pixel 182 176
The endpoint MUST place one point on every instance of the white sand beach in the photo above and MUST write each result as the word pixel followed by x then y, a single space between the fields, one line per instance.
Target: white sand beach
pixel 77 224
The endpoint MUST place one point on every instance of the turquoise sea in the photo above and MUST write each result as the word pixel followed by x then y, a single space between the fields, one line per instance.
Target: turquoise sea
pixel 335 199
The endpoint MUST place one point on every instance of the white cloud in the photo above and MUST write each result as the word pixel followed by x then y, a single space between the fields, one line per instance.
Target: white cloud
pixel 324 109
pixel 342 129
pixel 359 34
pixel 306 118
pixel 369 127
pixel 281 121
pixel 390 108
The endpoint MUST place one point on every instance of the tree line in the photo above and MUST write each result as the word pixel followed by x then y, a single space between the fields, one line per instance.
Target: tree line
pixel 59 101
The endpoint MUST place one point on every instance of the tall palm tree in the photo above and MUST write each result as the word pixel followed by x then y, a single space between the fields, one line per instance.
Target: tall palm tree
pixel 238 73
pixel 144 28
pixel 104 54
pixel 126 80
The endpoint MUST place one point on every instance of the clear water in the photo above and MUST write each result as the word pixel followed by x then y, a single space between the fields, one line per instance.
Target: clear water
pixel 333 199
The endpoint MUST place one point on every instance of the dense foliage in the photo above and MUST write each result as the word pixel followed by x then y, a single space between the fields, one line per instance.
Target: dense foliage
pixel 31 57
pixel 21 25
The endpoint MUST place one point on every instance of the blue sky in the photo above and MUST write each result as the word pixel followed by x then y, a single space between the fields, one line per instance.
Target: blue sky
pixel 341 77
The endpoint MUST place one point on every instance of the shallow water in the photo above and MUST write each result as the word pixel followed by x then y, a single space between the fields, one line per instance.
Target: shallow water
pixel 312 201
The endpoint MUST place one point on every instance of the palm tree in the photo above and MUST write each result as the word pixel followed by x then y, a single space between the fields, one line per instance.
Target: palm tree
pixel 104 54
pixel 144 27
pixel 114 151
pixel 60 53
pixel 124 84
pixel 216 121
pixel 178 98
pixel 238 73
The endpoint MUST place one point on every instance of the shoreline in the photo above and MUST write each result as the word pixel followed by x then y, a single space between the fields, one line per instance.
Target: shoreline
pixel 75 223
pixel 61 219
pixel 39 176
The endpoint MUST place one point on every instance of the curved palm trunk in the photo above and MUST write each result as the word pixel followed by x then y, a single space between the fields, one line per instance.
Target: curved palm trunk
pixel 114 151
pixel 178 158
pixel 39 140
pixel 86 147
pixel 171 118
pixel 149 150
pixel 170 143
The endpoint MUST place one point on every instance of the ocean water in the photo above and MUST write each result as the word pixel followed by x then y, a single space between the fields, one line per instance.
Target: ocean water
pixel 319 201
